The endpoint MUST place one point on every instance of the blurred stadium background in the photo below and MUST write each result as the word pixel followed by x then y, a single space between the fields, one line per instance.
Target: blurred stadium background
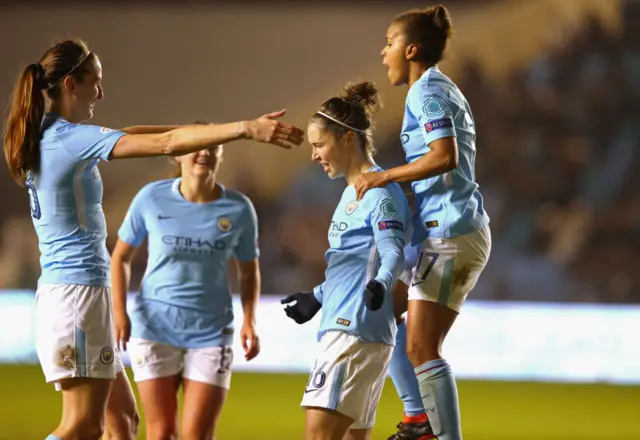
pixel 547 347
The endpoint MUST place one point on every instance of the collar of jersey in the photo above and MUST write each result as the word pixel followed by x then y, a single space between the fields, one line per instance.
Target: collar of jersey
pixel 48 120
pixel 176 191
pixel 425 74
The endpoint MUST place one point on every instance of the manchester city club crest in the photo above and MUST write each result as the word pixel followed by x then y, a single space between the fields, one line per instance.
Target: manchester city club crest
pixel 106 355
pixel 351 206
pixel 140 361
pixel 224 224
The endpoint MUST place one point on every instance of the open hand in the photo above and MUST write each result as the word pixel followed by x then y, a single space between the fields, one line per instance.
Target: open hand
pixel 268 129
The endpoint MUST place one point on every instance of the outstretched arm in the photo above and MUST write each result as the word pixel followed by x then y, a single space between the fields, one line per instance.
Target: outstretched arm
pixel 191 138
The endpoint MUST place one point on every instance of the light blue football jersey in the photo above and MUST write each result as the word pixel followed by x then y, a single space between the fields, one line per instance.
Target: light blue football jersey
pixel 450 205
pixel 184 299
pixel 366 241
pixel 66 202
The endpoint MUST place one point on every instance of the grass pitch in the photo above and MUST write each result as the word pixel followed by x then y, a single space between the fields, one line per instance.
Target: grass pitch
pixel 265 407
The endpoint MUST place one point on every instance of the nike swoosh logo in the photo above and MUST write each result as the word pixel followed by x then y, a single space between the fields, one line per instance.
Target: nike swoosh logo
pixel 163 217
pixel 307 390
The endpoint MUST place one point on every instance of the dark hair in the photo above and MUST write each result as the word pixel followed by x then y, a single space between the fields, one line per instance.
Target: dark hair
pixel 22 127
pixel 354 108
pixel 428 28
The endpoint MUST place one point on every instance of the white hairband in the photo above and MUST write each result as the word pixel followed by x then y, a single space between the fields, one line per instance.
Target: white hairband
pixel 341 123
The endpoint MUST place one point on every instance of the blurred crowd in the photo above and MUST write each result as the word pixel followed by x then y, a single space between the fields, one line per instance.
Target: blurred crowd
pixel 558 145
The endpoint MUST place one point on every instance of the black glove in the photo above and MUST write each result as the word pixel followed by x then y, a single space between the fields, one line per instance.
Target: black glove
pixel 374 295
pixel 304 309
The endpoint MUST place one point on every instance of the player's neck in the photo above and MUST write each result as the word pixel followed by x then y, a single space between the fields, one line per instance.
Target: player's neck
pixel 199 190
pixel 416 71
pixel 358 167
pixel 64 111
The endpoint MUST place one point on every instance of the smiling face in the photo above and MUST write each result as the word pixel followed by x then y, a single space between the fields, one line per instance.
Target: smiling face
pixel 333 154
pixel 201 164
pixel 83 92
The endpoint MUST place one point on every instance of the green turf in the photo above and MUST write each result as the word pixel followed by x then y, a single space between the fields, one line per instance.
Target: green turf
pixel 265 407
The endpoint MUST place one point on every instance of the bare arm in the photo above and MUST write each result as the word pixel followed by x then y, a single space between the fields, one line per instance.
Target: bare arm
pixel 442 158
pixel 182 140
pixel 191 138
pixel 249 281
pixel 149 129
pixel 121 259
pixel 400 300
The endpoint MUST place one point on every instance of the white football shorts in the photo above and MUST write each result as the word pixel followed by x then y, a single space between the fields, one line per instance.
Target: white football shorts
pixel 448 268
pixel 153 360
pixel 348 377
pixel 74 333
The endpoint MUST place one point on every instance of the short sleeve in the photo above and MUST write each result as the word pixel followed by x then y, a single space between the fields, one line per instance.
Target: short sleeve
pixel 433 112
pixel 318 292
pixel 388 217
pixel 89 141
pixel 247 248
pixel 133 230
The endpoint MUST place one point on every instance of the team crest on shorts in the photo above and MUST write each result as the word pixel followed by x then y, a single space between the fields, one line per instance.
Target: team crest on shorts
pixel 66 357
pixel 140 361
pixel 106 355
pixel 224 224
pixel 105 130
pixel 351 207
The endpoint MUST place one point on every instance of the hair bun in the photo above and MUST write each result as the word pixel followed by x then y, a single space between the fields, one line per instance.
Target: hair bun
pixel 441 17
pixel 362 93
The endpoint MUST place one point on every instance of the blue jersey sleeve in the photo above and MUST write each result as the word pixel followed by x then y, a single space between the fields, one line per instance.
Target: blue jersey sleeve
pixel 133 230
pixel 391 260
pixel 318 293
pixel 247 248
pixel 389 221
pixel 388 215
pixel 89 141
pixel 433 112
